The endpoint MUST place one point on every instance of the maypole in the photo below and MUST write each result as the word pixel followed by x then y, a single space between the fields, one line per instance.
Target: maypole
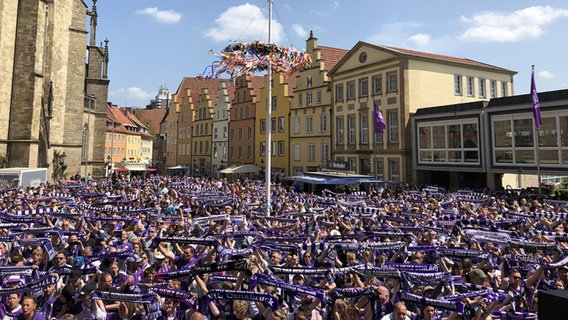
pixel 240 58
pixel 268 155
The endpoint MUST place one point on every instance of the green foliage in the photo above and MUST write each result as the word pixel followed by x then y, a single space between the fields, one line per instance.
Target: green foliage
pixel 562 193
pixel 3 161
pixel 58 165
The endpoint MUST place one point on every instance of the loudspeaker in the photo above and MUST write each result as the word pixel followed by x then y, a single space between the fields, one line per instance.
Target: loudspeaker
pixel 551 304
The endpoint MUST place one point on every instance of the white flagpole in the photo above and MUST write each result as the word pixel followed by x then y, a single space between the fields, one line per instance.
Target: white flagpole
pixel 267 173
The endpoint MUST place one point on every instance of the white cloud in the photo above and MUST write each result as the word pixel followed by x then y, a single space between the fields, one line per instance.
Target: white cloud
pixel 515 26
pixel 420 39
pixel 131 95
pixel 390 34
pixel 300 31
pixel 335 4
pixel 546 74
pixel 163 16
pixel 245 22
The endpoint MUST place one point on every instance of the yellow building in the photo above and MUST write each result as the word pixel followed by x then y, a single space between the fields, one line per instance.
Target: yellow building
pixel 202 131
pixel 310 111
pixel 281 99
pixel 400 81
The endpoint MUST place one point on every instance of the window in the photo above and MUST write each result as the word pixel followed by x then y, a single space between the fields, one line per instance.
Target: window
pixel 448 142
pixel 262 148
pixel 247 111
pixel 296 125
pixel 232 134
pixel 394 169
pixel 274 103
pixel 262 126
pixel 309 82
pixel 249 135
pixel 311 152
pixel 324 152
pixel 363 87
pixel 351 129
pixel 281 148
pixel 339 92
pixel 377 84
pixel 240 152
pixel 470 88
pixel 339 127
pixel 225 132
pixel 309 99
pixel 273 148
pixel 249 152
pixel 351 90
pixel 504 91
pixel 482 88
pixel 318 97
pixel 280 124
pixel 296 152
pixel 458 85
pixel 215 133
pixel 309 124
pixel 393 126
pixel 240 133
pixel 300 98
pixel 380 169
pixel 273 125
pixel 493 88
pixel 392 84
pixel 364 129
pixel 323 123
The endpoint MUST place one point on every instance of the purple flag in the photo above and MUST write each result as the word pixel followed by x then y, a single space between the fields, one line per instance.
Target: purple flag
pixel 536 104
pixel 379 122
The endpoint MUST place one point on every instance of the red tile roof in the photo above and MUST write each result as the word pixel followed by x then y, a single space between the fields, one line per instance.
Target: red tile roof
pixel 434 56
pixel 151 118
pixel 195 85
pixel 331 56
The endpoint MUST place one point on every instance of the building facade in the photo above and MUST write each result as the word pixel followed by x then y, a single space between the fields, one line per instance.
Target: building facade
pixel 491 144
pixel 281 97
pixel 310 111
pixel 242 126
pixel 219 138
pixel 51 101
pixel 399 81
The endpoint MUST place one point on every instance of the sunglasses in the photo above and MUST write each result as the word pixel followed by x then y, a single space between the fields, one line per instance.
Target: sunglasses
pixel 517 278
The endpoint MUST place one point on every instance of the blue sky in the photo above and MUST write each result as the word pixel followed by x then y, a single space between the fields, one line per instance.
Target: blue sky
pixel 159 42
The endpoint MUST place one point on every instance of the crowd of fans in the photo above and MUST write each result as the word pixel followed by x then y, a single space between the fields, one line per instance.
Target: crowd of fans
pixel 177 248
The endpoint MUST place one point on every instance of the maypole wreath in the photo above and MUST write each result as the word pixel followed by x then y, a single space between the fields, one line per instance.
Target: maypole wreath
pixel 242 58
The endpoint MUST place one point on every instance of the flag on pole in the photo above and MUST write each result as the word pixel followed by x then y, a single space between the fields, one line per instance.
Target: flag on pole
pixel 536 104
pixel 379 122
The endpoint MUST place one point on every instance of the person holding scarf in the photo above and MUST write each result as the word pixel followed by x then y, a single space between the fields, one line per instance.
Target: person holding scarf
pixel 171 311
pixel 521 290
pixel 185 261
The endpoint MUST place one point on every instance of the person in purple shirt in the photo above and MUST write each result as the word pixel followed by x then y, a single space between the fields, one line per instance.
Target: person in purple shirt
pixel 29 306
pixel 185 261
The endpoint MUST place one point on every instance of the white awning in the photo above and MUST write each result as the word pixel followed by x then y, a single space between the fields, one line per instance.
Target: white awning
pixel 245 168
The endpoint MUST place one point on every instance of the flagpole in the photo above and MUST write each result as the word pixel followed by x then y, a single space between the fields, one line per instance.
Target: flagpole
pixel 268 148
pixel 536 130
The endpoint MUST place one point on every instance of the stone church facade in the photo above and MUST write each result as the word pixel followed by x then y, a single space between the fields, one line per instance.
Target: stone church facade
pixel 51 101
